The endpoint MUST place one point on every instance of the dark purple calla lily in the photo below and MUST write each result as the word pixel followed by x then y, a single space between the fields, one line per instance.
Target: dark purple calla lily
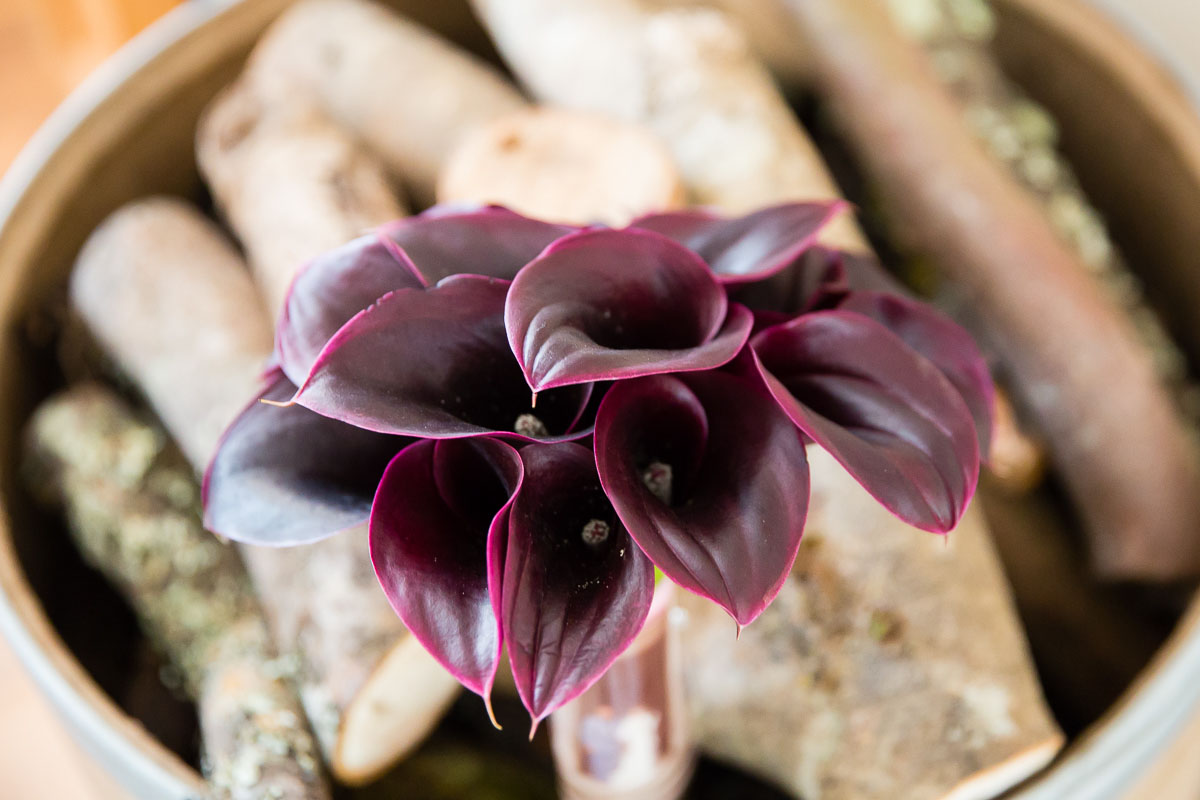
pixel 435 363
pixel 591 402
pixel 942 341
pixel 576 588
pixel 437 505
pixel 817 280
pixel 710 478
pixel 747 248
pixel 823 279
pixel 884 411
pixel 488 240
pixel 287 476
pixel 328 291
pixel 606 304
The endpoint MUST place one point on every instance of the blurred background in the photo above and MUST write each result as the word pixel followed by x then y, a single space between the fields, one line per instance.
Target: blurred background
pixel 46 48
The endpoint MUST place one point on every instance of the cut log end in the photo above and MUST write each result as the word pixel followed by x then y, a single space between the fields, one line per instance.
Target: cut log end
pixel 392 712
pixel 564 166
pixel 999 778
pixel 1017 460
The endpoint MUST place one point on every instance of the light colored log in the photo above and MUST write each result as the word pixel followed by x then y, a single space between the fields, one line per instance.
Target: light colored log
pixel 133 509
pixel 892 664
pixel 278 164
pixel 769 28
pixel 563 166
pixel 688 77
pixel 404 91
pixel 156 283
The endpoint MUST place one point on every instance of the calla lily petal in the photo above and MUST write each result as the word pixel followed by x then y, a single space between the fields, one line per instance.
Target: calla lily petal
pixel 286 476
pixel 607 304
pixel 576 588
pixel 884 411
pixel 942 341
pixel 489 240
pixel 328 291
pixel 434 512
pixel 710 478
pixel 817 279
pixel 751 247
pixel 435 363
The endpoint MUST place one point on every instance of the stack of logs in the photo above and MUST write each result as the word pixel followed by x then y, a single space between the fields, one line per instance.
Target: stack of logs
pixel 891 665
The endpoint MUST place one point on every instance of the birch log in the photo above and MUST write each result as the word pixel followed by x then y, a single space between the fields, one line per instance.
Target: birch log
pixel 133 509
pixel 405 92
pixel 892 663
pixel 688 77
pixel 174 305
pixel 564 166
pixel 277 165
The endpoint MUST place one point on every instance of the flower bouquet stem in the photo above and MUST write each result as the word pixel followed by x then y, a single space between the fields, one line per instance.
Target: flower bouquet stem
pixel 627 737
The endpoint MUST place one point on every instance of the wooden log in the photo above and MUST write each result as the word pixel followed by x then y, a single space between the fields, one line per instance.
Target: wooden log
pixel 133 509
pixel 404 91
pixel 273 192
pixel 564 166
pixel 165 294
pixel 1062 341
pixel 956 35
pixel 927 685
pixel 890 665
pixel 279 164
pixel 770 30
pixel 688 77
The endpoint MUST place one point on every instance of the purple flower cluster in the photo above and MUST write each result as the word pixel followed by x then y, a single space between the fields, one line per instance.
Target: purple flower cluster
pixel 534 416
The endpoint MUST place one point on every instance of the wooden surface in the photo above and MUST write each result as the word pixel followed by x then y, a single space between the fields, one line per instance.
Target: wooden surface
pixel 46 47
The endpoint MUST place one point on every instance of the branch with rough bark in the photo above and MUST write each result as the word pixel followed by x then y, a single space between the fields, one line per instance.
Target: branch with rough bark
pixel 133 509
pixel 1060 337
pixel 175 307
pixel 841 688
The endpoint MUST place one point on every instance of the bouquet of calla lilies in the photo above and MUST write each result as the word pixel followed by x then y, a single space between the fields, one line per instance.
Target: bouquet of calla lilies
pixel 534 416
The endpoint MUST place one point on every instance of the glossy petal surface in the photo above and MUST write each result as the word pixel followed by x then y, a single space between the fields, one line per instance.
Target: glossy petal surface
pixel 605 304
pixel 747 248
pixel 576 588
pixel 490 240
pixel 816 279
pixel 433 363
pixel 728 525
pixel 330 290
pixel 435 508
pixel 286 476
pixel 940 340
pixel 884 411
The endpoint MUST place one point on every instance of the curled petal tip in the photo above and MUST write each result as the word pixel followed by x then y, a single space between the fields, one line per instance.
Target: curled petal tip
pixel 608 304
pixel 533 728
pixel 491 712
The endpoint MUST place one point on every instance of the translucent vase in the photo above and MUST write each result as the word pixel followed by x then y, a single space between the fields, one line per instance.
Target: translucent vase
pixel 627 737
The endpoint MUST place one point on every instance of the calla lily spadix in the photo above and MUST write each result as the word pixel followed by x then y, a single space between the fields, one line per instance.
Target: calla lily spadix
pixel 532 417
